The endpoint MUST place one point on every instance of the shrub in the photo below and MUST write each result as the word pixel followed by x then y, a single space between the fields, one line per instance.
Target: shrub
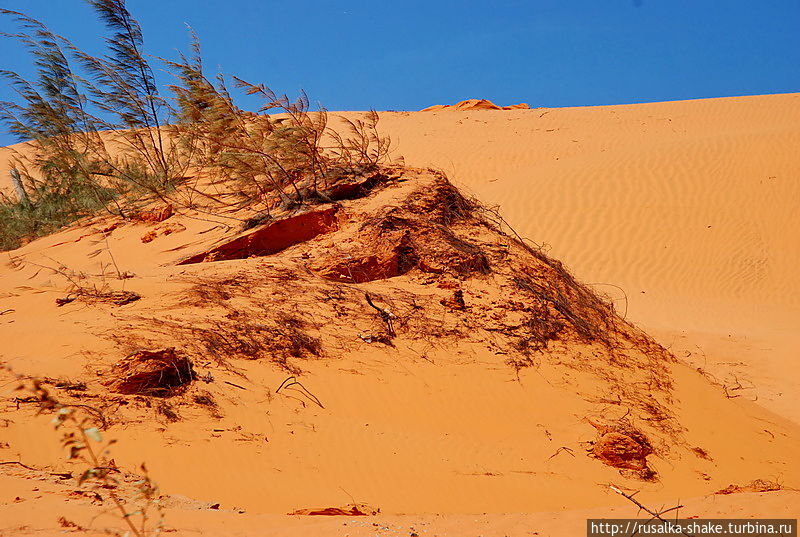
pixel 72 116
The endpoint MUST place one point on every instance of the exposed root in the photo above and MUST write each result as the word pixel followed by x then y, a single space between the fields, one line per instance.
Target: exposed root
pixel 160 373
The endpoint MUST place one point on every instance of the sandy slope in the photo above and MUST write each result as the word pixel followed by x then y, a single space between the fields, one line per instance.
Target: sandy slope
pixel 624 195
pixel 690 207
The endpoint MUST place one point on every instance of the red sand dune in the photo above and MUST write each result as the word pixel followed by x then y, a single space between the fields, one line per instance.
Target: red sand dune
pixel 391 360
pixel 474 104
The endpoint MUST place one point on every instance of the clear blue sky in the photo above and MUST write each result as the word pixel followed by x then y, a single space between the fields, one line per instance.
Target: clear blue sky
pixel 405 55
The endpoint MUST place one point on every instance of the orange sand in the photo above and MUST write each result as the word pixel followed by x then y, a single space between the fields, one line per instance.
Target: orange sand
pixel 688 208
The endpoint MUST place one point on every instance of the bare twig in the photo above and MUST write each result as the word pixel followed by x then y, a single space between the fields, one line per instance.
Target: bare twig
pixel 388 317
pixel 559 450
pixel 292 381
pixel 17 463
pixel 234 385
pixel 656 515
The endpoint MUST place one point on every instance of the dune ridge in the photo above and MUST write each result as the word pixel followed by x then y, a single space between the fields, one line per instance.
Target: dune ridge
pixel 474 104
pixel 454 409
pixel 687 206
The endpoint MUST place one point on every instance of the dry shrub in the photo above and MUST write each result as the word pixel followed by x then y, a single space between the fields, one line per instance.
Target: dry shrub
pixel 168 411
pixel 413 234
pixel 444 204
pixel 279 341
pixel 758 485
pixel 94 295
pixel 159 373
pixel 204 399
pixel 560 295
pixel 702 453
pixel 104 135
pixel 285 160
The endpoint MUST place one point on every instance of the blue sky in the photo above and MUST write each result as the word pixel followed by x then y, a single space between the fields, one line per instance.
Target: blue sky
pixel 405 55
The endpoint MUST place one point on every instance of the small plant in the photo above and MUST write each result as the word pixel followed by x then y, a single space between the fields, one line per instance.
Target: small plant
pixel 51 112
pixel 80 287
pixel 141 515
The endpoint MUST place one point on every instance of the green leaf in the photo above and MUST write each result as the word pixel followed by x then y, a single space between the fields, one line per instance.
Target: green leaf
pixel 94 434
pixel 88 474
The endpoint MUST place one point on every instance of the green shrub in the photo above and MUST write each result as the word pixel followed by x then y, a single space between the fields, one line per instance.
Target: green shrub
pixel 80 105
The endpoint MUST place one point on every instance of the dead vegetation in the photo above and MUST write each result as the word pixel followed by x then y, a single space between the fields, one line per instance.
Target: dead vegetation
pixel 94 295
pixel 279 341
pixel 401 260
pixel 655 514
pixel 414 235
pixel 86 288
pixel 757 485
pixel 159 373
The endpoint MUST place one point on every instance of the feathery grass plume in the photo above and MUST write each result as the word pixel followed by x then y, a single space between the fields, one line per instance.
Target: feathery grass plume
pixel 298 139
pixel 362 147
pixel 64 153
pixel 123 87
pixel 265 158
pixel 276 156
pixel 238 158
pixel 227 142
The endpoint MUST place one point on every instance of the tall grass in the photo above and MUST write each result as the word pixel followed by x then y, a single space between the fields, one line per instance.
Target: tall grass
pixel 54 206
pixel 104 136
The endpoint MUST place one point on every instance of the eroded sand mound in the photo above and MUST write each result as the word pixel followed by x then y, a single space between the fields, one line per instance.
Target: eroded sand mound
pixel 395 343
pixel 475 104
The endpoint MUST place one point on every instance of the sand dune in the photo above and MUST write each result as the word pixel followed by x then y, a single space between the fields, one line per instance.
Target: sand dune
pixel 683 212
pixel 689 207
pixel 474 104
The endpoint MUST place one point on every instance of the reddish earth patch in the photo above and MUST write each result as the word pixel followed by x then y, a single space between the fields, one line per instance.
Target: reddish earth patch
pixel 414 234
pixel 350 510
pixel 624 448
pixel 622 451
pixel 151 373
pixel 456 302
pixel 273 237
pixel 365 269
pixel 155 215
pixel 149 236
pixel 388 254
pixel 164 229
pixel 394 256
pixel 759 485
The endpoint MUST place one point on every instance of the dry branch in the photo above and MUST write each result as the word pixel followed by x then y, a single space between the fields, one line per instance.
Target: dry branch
pixel 656 515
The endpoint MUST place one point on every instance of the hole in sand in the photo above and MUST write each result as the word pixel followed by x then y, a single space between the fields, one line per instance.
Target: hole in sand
pixel 272 238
